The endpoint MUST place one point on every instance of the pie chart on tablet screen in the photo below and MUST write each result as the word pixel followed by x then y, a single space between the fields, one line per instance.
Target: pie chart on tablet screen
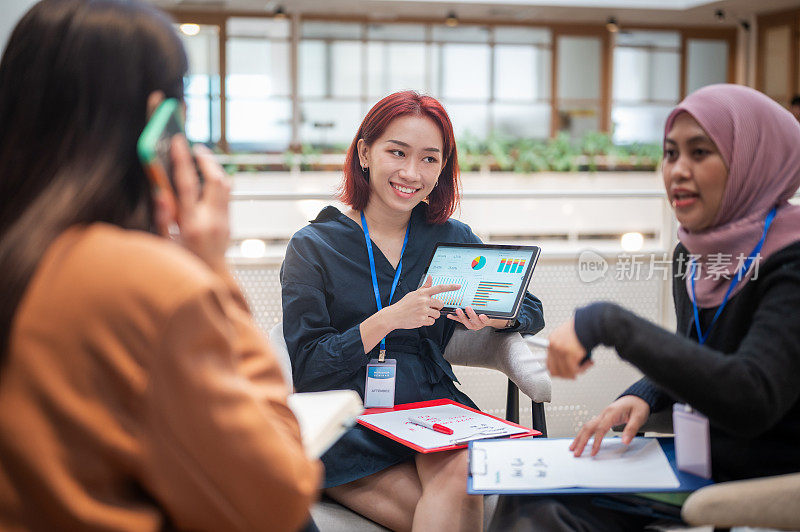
pixel 478 262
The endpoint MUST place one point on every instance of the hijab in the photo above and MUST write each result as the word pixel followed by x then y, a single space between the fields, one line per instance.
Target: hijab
pixel 759 142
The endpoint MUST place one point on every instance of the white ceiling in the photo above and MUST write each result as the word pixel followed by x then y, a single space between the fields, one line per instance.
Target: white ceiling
pixel 661 12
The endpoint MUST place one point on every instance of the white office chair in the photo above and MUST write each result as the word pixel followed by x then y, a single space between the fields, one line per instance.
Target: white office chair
pixel 506 352
pixel 769 502
pixel 763 503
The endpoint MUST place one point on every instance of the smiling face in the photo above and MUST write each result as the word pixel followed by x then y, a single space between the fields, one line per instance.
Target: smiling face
pixel 694 174
pixel 404 163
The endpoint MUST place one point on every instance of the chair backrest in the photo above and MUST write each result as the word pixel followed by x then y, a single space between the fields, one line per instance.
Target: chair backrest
pixel 282 353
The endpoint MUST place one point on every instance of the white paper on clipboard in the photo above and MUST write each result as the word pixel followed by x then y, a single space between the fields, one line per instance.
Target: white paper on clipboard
pixel 546 464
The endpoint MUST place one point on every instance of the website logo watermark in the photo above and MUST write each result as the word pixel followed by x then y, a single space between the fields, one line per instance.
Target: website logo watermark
pixel 593 267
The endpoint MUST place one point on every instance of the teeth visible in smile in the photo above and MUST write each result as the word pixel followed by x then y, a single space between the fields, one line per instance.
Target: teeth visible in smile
pixel 403 189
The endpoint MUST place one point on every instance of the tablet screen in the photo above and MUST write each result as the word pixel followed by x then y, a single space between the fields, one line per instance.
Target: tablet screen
pixel 493 278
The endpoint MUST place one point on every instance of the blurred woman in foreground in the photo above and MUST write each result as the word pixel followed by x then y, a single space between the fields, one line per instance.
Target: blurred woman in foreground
pixel 135 391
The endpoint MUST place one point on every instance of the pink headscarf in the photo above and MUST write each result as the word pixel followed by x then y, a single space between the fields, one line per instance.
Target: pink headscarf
pixel 760 143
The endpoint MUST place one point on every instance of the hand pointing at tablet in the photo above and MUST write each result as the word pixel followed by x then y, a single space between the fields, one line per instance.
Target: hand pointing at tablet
pixel 416 309
pixel 420 307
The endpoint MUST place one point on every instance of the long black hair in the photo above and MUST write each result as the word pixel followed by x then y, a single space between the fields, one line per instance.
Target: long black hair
pixel 74 83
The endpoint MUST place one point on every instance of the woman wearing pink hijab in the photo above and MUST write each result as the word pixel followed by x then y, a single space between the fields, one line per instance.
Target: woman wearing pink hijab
pixel 731 163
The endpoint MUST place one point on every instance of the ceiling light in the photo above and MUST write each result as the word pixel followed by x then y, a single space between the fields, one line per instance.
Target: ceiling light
pixel 451 20
pixel 612 25
pixel 279 13
pixel 253 248
pixel 632 241
pixel 719 14
pixel 190 29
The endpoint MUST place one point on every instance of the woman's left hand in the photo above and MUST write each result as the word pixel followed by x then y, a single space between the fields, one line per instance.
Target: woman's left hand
pixel 474 321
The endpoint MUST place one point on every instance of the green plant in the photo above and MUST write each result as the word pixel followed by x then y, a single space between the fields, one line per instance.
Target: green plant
pixel 308 156
pixel 596 143
pixel 525 155
pixel 560 154
pixel 339 147
pixel 649 153
pixel 530 156
pixel 470 151
pixel 499 147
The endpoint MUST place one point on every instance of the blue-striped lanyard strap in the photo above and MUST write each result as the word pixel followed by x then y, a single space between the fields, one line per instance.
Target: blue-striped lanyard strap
pixel 382 353
pixel 740 273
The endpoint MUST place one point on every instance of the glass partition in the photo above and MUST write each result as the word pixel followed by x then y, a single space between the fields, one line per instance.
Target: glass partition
pixel 395 66
pixel 578 78
pixel 707 63
pixel 201 86
pixel 258 86
pixel 491 78
pixel 646 84
pixel 331 69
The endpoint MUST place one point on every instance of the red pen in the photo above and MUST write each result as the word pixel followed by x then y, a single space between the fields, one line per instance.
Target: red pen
pixel 430 425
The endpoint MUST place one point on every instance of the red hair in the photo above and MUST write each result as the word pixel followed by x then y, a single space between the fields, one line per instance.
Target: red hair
pixel 443 199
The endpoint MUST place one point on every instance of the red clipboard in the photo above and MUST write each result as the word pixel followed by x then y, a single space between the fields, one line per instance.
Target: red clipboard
pixel 437 402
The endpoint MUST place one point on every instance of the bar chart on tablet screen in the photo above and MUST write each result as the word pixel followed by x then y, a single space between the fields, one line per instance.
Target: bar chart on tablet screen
pixel 454 298
pixel 488 293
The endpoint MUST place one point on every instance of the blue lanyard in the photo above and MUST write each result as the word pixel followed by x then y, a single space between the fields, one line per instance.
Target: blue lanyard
pixel 382 354
pixel 738 277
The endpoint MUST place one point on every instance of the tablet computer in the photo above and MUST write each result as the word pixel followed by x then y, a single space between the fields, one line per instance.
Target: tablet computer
pixel 493 277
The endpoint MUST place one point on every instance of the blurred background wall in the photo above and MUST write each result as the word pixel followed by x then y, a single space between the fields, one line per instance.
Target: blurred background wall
pixel 11 11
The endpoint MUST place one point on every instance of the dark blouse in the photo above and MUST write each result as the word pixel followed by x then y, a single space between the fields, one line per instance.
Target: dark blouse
pixel 745 378
pixel 327 292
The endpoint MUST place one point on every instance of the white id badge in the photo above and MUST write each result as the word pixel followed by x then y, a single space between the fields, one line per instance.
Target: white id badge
pixel 692 441
pixel 379 391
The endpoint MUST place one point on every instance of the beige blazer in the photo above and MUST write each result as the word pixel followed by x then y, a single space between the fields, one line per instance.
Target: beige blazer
pixel 139 395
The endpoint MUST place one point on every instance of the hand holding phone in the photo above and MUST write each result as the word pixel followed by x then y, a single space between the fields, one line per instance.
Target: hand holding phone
pixel 201 214
pixel 155 145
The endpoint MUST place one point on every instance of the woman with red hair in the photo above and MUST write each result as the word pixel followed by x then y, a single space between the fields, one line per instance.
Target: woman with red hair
pixel 350 288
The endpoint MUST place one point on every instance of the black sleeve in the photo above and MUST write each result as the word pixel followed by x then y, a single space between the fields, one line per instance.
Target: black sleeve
pixel 323 358
pixel 650 393
pixel 746 391
pixel 589 330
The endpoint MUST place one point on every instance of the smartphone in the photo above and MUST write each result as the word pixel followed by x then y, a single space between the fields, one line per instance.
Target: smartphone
pixel 155 144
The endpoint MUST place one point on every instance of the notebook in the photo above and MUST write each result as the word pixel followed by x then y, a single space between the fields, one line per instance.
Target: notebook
pixel 324 417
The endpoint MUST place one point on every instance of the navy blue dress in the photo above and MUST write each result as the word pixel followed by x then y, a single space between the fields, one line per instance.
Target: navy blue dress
pixel 327 292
